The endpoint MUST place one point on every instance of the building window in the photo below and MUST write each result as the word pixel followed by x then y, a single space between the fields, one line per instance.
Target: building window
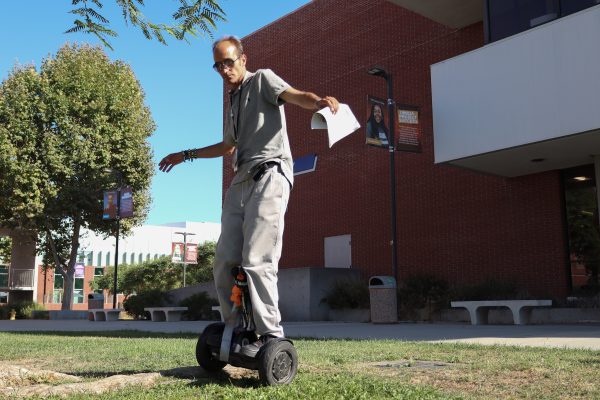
pixel 58 289
pixel 3 276
pixel 572 6
pixel 156 256
pixel 99 271
pixel 90 258
pixel 78 290
pixel 141 258
pixel 148 257
pixel 99 259
pixel 124 260
pixel 305 164
pixel 581 209
pixel 508 17
pixel 132 258
pixel 108 258
pixel 3 297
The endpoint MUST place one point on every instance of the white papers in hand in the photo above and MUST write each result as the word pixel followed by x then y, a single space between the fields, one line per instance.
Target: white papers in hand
pixel 338 125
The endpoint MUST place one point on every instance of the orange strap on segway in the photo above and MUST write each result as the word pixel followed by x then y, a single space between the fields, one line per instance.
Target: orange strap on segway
pixel 236 296
pixel 236 290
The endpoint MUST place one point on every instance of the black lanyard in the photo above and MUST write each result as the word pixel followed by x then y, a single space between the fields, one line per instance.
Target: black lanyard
pixel 237 121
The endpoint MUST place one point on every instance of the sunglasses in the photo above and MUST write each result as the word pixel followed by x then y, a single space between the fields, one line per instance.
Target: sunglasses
pixel 227 63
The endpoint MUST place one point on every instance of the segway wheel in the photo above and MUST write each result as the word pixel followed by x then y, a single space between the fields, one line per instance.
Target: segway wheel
pixel 278 363
pixel 205 347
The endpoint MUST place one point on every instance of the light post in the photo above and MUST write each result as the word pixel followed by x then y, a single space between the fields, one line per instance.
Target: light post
pixel 379 71
pixel 118 217
pixel 185 235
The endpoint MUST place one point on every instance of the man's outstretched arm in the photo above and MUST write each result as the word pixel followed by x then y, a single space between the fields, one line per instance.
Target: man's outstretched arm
pixel 309 101
pixel 215 150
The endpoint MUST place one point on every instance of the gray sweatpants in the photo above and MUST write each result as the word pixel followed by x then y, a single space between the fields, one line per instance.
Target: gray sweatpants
pixel 251 236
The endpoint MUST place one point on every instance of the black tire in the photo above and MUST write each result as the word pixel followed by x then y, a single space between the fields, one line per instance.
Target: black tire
pixel 278 363
pixel 204 354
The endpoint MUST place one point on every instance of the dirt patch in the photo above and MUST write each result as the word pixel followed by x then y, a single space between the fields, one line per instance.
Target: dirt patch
pixel 19 382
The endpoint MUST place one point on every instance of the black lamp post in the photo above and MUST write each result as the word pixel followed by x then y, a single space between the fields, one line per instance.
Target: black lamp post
pixel 379 71
pixel 118 217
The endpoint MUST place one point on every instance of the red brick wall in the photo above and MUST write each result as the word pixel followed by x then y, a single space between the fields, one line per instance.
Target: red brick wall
pixel 461 225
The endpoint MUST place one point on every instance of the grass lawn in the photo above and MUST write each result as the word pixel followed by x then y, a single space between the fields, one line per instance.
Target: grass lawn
pixel 329 369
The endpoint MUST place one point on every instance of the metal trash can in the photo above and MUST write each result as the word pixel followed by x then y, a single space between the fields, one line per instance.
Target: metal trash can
pixel 384 303
pixel 95 300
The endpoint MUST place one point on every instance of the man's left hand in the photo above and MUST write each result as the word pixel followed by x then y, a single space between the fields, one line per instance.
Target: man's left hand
pixel 330 102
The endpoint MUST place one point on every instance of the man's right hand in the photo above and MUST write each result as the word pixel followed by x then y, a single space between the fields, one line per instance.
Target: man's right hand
pixel 167 163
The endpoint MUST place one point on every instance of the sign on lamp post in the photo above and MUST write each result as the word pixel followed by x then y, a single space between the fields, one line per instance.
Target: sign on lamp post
pixel 179 256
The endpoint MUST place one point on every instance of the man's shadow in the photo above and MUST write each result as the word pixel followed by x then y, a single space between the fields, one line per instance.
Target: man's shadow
pixel 239 377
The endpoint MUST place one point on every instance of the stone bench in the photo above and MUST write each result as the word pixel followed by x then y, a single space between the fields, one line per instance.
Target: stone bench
pixel 521 309
pixel 104 314
pixel 168 314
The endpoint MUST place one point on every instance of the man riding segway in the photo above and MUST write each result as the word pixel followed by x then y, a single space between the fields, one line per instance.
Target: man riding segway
pixel 254 206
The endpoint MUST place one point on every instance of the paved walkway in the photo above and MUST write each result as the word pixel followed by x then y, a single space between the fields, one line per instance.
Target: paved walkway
pixel 583 336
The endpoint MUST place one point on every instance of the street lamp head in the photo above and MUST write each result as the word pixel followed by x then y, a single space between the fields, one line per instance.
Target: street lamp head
pixel 378 71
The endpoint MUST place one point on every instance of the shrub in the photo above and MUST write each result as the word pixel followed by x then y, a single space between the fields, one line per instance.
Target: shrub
pixel 135 304
pixel 23 309
pixel 423 291
pixel 199 306
pixel 491 289
pixel 348 293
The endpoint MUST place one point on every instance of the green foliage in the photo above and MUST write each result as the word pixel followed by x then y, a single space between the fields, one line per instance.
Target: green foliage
pixel 198 18
pixel 203 272
pixel 348 293
pixel 60 130
pixel 199 306
pixel 423 291
pixel 159 274
pixel 24 309
pixel 5 249
pixel 135 304
pixel 491 289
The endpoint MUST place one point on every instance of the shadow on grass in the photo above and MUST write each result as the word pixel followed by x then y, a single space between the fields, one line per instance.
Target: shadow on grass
pixel 126 334
pixel 197 376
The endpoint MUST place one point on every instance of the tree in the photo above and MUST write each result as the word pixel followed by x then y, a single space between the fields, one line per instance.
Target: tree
pixel 161 274
pixel 197 17
pixel 203 272
pixel 61 130
pixel 5 249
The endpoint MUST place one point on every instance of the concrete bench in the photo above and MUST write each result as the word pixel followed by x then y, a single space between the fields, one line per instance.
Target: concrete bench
pixel 168 314
pixel 521 309
pixel 104 314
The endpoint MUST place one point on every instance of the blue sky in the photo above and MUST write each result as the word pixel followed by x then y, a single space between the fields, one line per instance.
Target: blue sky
pixel 182 91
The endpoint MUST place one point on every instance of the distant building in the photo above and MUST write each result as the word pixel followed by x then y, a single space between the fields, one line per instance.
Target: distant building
pixel 25 279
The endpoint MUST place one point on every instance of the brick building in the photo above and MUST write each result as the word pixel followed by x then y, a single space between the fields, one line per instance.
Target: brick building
pixel 476 203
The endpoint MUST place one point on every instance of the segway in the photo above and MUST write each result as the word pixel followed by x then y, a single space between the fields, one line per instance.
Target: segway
pixel 220 343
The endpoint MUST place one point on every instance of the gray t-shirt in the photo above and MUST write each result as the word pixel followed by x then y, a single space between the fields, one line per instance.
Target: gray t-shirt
pixel 256 126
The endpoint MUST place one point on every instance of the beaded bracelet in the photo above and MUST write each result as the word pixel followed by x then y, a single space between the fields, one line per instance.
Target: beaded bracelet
pixel 188 155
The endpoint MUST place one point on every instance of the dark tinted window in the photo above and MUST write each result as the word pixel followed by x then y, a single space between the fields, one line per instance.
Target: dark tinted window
pixel 508 17
pixel 572 6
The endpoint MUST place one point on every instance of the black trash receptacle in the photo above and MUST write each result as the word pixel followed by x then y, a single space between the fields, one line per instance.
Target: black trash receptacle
pixel 384 303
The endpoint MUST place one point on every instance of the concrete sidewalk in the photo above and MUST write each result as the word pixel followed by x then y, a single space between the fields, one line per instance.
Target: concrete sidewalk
pixel 581 336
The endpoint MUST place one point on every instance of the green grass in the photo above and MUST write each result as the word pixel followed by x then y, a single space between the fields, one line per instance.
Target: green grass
pixel 329 369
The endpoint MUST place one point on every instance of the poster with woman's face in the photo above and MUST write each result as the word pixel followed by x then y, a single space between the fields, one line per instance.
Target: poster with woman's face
pixel 377 131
